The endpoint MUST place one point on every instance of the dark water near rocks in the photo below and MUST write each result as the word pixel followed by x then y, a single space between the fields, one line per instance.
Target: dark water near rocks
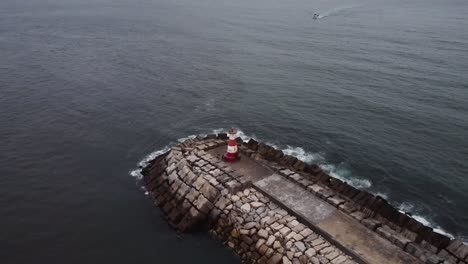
pixel 375 91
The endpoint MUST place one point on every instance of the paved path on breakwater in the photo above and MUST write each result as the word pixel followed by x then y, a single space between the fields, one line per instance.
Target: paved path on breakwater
pixel 331 223
pixel 250 169
pixel 325 219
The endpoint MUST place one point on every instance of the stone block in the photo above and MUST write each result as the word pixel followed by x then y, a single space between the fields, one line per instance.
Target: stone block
pixel 252 144
pixel 414 249
pixel 286 172
pixel 305 182
pixel 299 165
pixel 454 245
pixel 159 201
pixel 175 215
pixel 291 161
pixel 399 240
pixel 325 193
pixel 278 155
pixel 335 184
pixel 190 220
pixel 317 242
pixel 323 177
pixel 190 178
pixel 210 192
pixel 296 177
pixel 350 192
pixel 423 233
pixel 371 223
pixel 175 186
pixel 385 232
pixel 275 259
pixel 203 205
pixel 233 186
pixel 315 188
pixel 408 234
pixel 199 182
pixel 222 203
pixel 367 212
pixel 462 252
pixel 433 259
pixel 332 255
pixel 182 191
pixel 335 201
pixel 172 177
pixel 171 168
pixel 326 250
pixel 181 164
pixel 310 252
pixel 365 199
pixel 444 254
pixel 185 206
pixel 348 207
pixel 437 240
pixel 413 225
pixel 167 208
pixel 192 195
pixel 426 245
pixel 300 246
pixel 358 215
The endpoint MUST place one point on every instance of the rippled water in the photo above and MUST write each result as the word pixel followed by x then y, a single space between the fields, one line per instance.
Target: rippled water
pixel 374 91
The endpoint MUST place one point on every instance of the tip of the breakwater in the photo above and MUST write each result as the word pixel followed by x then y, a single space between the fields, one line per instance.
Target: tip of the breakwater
pixel 273 208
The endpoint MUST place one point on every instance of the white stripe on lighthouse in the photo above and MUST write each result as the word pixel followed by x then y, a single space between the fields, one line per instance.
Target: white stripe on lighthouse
pixel 232 149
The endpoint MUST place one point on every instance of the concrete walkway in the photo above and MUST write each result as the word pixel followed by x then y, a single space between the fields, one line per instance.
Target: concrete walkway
pixel 246 166
pixel 333 224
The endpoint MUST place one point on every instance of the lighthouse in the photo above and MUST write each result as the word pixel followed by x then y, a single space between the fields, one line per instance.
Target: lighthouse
pixel 232 153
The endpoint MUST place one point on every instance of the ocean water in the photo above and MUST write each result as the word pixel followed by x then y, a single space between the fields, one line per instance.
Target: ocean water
pixel 376 92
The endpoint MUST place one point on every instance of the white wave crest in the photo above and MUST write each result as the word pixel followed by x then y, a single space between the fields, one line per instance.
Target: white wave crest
pixel 337 172
pixel 240 133
pixel 144 162
pixel 301 154
pixel 345 175
pixel 180 140
pixel 407 207
pixel 381 194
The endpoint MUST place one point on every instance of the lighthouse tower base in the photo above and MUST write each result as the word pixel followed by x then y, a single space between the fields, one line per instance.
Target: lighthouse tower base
pixel 231 157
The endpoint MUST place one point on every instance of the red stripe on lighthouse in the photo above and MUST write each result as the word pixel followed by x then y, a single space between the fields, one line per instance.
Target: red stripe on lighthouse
pixel 232 154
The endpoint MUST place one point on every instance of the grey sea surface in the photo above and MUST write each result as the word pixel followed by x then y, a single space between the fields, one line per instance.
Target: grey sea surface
pixel 376 92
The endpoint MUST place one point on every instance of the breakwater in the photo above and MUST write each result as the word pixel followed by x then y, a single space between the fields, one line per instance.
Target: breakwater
pixel 274 208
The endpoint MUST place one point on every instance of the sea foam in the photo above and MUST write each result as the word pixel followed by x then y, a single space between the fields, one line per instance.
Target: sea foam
pixel 425 220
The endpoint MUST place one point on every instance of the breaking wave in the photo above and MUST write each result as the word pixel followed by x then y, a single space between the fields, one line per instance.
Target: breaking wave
pixel 381 194
pixel 301 154
pixel 338 171
pixel 141 164
pixel 240 133
pixel 407 207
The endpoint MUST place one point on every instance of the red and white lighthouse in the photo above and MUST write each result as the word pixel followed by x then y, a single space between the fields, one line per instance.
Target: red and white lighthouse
pixel 232 153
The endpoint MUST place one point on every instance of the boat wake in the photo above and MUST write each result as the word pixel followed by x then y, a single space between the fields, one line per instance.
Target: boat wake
pixel 334 11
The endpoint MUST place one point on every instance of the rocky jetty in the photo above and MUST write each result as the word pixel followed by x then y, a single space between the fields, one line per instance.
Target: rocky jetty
pixel 195 189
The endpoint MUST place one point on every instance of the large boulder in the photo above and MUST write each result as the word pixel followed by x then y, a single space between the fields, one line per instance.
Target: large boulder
pixel 252 144
pixel 222 136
